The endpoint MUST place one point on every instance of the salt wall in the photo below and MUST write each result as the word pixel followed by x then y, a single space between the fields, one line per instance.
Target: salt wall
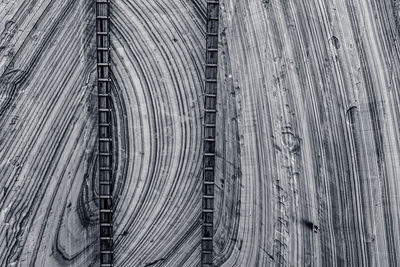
pixel 307 149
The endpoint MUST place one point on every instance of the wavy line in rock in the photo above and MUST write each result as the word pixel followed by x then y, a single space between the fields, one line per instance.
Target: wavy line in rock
pixel 170 115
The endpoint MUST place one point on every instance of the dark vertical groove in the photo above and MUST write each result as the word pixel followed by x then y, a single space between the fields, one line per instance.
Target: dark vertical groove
pixel 105 132
pixel 210 109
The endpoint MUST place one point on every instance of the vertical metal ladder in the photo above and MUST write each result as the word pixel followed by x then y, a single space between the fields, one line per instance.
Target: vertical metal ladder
pixel 209 134
pixel 105 131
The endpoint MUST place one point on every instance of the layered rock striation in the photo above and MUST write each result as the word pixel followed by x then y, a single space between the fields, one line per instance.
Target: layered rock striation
pixel 307 133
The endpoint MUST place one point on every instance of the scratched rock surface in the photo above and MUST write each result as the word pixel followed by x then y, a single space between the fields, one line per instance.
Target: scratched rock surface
pixel 158 65
pixel 49 212
pixel 48 209
pixel 307 143
pixel 309 104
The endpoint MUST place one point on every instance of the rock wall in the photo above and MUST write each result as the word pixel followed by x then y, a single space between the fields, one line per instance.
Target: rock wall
pixel 48 212
pixel 157 64
pixel 307 133
pixel 315 87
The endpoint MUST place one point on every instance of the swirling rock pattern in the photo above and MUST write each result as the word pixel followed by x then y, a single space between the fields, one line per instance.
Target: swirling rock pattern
pixel 48 212
pixel 157 54
pixel 307 144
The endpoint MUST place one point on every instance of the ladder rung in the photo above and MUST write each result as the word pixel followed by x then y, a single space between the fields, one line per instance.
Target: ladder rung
pixel 209 197
pixel 212 18
pixel 208 182
pixel 210 110
pixel 106 64
pixel 105 183
pixel 209 154
pixel 106 224
pixel 101 17
pixel 103 139
pixel 212 49
pixel 104 124
pixel 209 124
pixel 207 238
pixel 105 238
pixel 104 196
pixel 102 1
pixel 209 139
pixel 211 80
pixel 105 153
pixel 210 95
pixel 211 65
pixel 208 210
pixel 102 33
pixel 104 79
pixel 105 109
pixel 103 95
pixel 208 224
pixel 106 211
pixel 103 48
pixel 212 2
pixel 105 251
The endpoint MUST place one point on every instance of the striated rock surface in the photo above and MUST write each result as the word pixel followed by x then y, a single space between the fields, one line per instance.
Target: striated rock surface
pixel 157 62
pixel 48 213
pixel 314 180
pixel 307 133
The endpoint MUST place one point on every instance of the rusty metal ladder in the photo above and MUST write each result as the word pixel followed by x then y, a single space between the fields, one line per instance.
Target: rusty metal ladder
pixel 105 131
pixel 209 134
